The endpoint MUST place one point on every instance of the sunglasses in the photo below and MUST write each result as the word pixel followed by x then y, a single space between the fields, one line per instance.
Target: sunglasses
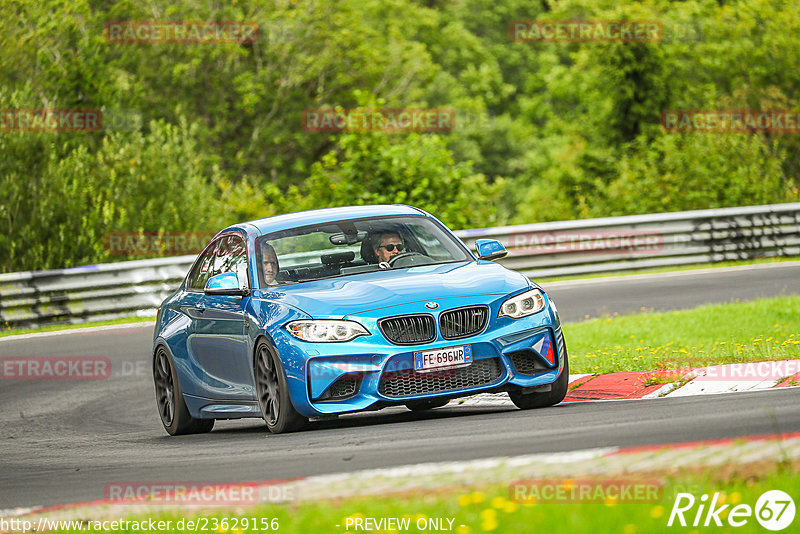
pixel 391 246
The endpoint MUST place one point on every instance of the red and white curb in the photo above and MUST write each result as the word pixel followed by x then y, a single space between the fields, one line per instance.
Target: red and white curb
pixel 597 462
pixel 729 378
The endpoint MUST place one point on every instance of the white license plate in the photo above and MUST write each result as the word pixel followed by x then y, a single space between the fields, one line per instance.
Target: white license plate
pixel 445 357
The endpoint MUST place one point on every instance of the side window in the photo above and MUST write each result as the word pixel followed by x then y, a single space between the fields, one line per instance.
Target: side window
pixel 203 268
pixel 227 254
pixel 234 260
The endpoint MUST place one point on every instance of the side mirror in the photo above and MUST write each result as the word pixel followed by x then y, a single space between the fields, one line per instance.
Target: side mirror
pixel 225 284
pixel 489 249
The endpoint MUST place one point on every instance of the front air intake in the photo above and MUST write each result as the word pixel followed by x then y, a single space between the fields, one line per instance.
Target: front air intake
pixel 410 382
pixel 345 387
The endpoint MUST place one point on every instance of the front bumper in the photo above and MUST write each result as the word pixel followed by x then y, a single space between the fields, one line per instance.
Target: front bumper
pixel 371 373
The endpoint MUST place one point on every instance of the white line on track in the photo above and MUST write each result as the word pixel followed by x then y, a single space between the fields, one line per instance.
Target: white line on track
pixel 650 276
pixel 85 330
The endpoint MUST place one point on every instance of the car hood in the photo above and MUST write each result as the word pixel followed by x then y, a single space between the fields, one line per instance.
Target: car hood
pixel 359 293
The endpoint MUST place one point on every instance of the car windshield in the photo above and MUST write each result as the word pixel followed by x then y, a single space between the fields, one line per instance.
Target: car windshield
pixel 354 246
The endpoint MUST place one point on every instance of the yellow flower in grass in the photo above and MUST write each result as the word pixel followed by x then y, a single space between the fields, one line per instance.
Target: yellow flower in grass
pixel 488 519
pixel 611 500
pixel 657 511
pixel 463 529
pixel 489 526
pixel 498 502
pixel 464 500
pixel 510 507
pixel 477 497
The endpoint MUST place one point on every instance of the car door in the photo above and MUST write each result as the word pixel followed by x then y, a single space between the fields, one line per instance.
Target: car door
pixel 218 342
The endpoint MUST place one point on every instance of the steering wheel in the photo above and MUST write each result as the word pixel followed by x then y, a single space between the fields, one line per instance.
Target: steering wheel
pixel 407 259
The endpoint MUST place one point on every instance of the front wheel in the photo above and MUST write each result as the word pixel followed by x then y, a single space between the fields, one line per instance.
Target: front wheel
pixel 273 392
pixel 546 398
pixel 169 399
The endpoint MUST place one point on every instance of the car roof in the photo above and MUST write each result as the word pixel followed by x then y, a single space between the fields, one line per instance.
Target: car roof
pixel 286 221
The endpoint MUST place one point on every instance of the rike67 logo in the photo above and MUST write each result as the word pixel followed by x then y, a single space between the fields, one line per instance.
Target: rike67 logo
pixel 774 510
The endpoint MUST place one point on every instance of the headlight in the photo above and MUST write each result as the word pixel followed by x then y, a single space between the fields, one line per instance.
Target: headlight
pixel 523 305
pixel 326 331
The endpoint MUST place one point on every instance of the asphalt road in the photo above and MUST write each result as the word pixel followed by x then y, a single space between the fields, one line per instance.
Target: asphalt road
pixel 63 441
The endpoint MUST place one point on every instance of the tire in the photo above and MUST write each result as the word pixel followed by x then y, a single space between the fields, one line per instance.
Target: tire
pixel 273 392
pixel 421 406
pixel 545 398
pixel 169 399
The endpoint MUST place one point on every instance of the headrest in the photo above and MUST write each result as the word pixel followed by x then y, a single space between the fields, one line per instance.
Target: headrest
pixel 367 253
pixel 338 257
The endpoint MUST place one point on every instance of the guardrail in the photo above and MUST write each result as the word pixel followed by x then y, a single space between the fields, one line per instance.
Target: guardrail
pixel 99 292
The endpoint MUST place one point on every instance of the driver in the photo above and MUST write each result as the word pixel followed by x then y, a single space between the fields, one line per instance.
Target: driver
pixel 389 244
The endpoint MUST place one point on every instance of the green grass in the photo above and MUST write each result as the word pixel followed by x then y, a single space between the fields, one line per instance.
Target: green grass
pixel 766 329
pixel 654 270
pixel 491 507
pixel 8 331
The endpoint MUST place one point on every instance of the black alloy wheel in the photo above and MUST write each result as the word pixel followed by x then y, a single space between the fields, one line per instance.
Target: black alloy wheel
pixel 169 399
pixel 273 392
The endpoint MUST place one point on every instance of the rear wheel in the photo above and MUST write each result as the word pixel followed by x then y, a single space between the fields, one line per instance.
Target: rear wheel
pixel 273 392
pixel 169 399
pixel 556 394
pixel 420 406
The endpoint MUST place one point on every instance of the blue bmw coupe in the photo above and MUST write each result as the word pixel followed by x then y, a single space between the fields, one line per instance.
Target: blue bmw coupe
pixel 339 310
